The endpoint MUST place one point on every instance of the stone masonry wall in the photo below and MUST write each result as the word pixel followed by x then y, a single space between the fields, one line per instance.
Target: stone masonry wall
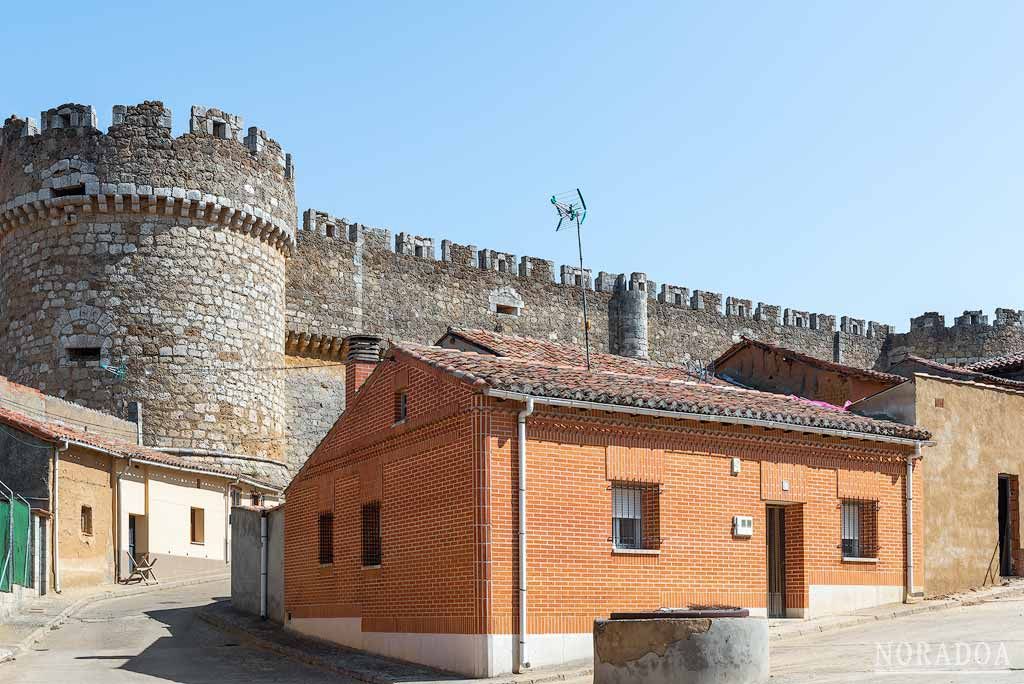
pixel 346 278
pixel 166 255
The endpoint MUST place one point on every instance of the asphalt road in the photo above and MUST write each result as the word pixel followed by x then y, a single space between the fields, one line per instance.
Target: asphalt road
pixel 154 637
pixel 983 643
pixel 157 637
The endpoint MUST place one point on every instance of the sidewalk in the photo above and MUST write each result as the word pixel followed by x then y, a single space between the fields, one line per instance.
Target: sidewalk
pixel 360 665
pixel 791 628
pixel 41 614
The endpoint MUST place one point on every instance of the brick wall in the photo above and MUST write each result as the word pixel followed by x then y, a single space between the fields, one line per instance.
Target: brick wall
pixel 447 483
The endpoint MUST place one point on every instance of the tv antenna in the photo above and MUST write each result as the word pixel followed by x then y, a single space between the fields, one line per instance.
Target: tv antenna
pixel 571 207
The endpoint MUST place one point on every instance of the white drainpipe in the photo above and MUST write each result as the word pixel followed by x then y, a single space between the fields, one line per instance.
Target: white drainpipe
pixel 56 514
pixel 524 661
pixel 263 565
pixel 910 520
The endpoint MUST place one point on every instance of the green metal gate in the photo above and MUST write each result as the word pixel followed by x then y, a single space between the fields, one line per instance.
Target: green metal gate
pixel 15 557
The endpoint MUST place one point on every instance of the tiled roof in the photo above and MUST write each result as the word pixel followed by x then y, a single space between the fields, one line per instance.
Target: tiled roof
pixel 999 363
pixel 962 373
pixel 51 431
pixel 864 373
pixel 635 389
pixel 560 354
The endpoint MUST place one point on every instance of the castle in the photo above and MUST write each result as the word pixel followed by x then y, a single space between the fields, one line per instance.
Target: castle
pixel 168 279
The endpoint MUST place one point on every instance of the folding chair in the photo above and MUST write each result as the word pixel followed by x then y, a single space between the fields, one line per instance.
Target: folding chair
pixel 142 570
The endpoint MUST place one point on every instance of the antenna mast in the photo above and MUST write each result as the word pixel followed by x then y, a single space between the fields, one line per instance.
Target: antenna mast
pixel 570 205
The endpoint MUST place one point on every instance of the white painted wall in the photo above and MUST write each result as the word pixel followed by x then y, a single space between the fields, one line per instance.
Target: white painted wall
pixel 172 494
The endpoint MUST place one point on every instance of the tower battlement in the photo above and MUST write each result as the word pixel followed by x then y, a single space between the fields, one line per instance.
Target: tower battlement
pixel 66 167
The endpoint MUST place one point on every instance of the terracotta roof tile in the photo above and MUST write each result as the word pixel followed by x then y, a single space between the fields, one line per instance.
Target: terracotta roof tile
pixel 998 363
pixel 962 373
pixel 634 388
pixel 52 431
pixel 568 355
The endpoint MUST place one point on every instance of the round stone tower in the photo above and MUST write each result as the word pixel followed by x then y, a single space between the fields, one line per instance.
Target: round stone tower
pixel 139 267
pixel 627 316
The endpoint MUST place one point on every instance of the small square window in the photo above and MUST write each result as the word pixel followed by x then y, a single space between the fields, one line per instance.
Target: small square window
pixel 87 520
pixel 401 406
pixel 371 534
pixel 220 130
pixel 859 529
pixel 83 354
pixel 635 516
pixel 325 533
pixel 198 526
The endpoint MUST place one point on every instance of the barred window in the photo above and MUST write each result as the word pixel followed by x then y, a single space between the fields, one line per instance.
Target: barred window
pixel 325 529
pixel 371 534
pixel 859 528
pixel 635 516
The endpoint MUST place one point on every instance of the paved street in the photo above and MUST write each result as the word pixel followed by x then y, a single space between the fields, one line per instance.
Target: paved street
pixel 912 649
pixel 151 638
pixel 157 637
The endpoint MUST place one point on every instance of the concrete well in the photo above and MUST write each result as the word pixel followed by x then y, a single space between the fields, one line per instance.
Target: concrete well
pixel 658 649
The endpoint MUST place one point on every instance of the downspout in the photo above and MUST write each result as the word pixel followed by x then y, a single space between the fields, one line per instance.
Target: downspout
pixel 119 525
pixel 56 514
pixel 263 564
pixel 909 479
pixel 524 661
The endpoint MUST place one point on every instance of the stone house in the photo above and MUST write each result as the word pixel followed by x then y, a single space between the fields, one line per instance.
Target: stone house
pixel 771 368
pixel 107 500
pixel 972 538
pixel 480 503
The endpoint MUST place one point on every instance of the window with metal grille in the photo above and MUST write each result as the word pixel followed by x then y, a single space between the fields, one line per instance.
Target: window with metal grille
pixel 401 406
pixel 325 528
pixel 635 516
pixel 371 534
pixel 86 519
pixel 256 498
pixel 859 528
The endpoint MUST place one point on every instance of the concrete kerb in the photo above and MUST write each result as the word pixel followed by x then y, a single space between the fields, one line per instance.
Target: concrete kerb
pixel 62 617
pixel 369 676
pixel 802 628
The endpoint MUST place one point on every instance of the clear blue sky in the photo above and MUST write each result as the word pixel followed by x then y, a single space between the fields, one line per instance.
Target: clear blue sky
pixel 848 158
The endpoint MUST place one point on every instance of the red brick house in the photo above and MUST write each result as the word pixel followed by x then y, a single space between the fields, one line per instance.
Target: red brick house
pixel 643 488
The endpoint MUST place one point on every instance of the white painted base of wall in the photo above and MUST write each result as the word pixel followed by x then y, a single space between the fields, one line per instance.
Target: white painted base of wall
pixel 474 655
pixel 836 599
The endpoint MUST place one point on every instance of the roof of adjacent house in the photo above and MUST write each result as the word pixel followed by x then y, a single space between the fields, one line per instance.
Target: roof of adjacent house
pixel 998 363
pixel 55 432
pixel 961 372
pixel 561 354
pixel 543 378
pixel 789 354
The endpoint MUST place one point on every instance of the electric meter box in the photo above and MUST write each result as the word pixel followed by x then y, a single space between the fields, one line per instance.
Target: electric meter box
pixel 742 526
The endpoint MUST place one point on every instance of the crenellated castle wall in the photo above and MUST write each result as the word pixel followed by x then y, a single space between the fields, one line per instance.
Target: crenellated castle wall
pixel 346 278
pixel 180 258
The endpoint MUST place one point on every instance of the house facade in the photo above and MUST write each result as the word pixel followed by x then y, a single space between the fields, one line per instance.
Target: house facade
pixel 476 508
pixel 972 538
pixel 106 501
